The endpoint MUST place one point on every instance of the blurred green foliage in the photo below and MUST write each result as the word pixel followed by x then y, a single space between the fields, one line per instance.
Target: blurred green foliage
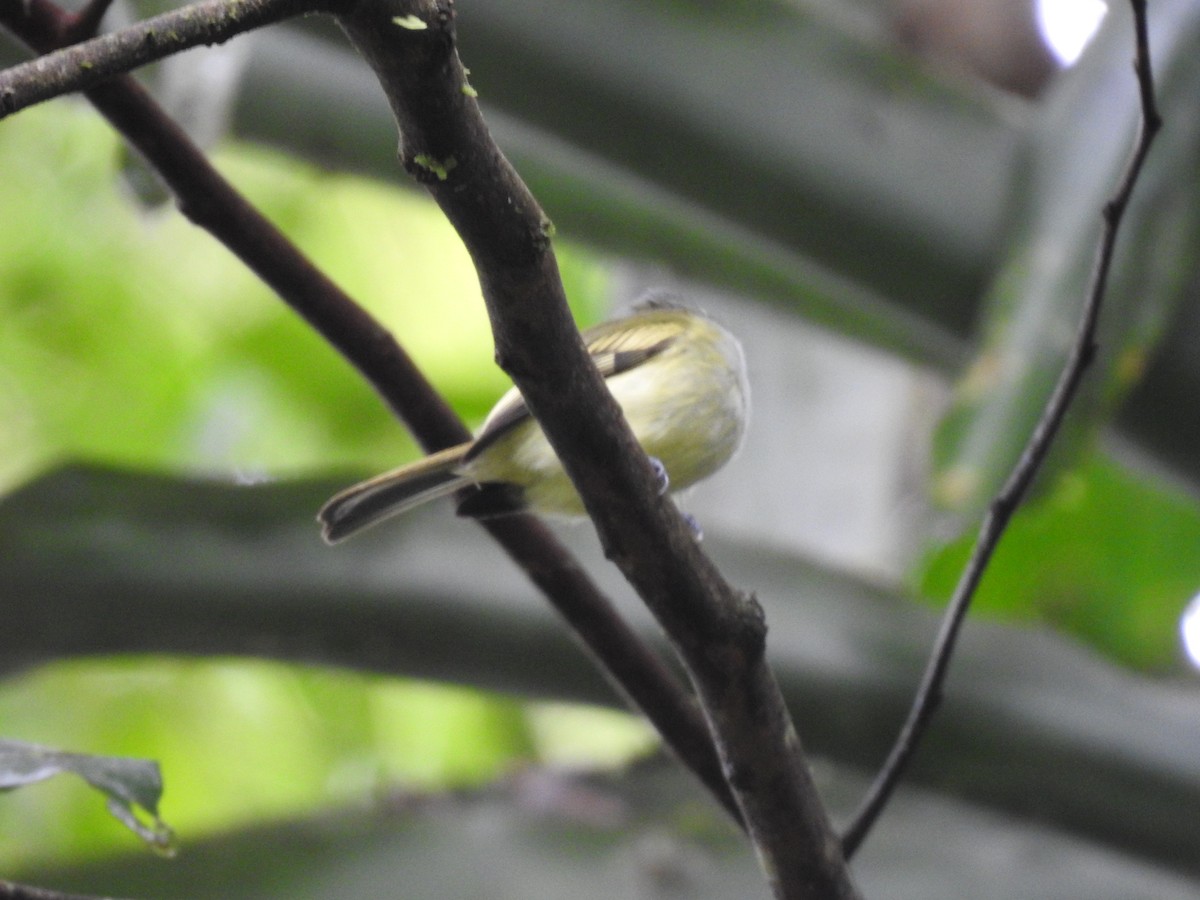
pixel 241 742
pixel 131 337
pixel 1106 555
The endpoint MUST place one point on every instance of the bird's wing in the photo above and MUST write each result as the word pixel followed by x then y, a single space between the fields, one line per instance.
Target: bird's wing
pixel 614 349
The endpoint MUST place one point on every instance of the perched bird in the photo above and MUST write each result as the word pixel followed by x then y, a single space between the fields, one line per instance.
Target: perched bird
pixel 679 378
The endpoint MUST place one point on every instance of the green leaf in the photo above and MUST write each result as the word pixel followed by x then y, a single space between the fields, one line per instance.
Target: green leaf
pixel 128 783
pixel 1107 556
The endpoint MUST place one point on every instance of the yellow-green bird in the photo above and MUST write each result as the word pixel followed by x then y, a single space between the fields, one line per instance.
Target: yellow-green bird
pixel 679 378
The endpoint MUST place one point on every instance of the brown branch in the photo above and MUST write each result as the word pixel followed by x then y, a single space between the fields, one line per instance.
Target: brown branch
pixel 84 65
pixel 211 202
pixel 717 630
pixel 1011 494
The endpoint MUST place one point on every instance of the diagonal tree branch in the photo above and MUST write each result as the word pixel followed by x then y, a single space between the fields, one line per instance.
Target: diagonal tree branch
pixel 718 631
pixel 211 202
pixel 1010 496
pixel 83 65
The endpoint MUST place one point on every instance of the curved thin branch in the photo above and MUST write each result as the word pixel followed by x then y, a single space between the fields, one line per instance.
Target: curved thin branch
pixel 717 630
pixel 84 65
pixel 212 203
pixel 1083 349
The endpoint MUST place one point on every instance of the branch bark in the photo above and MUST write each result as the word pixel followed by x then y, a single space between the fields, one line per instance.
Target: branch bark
pixel 87 64
pixel 718 631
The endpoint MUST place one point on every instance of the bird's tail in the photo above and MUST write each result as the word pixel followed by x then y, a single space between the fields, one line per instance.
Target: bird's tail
pixel 391 493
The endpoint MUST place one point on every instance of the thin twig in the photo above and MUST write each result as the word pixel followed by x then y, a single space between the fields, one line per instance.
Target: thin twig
pixel 211 202
pixel 1083 349
pixel 84 65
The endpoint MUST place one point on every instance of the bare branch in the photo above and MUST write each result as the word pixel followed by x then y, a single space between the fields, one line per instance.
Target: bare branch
pixel 210 201
pixel 84 65
pixel 1083 349
pixel 717 630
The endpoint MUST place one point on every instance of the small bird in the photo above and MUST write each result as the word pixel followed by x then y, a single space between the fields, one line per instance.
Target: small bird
pixel 679 378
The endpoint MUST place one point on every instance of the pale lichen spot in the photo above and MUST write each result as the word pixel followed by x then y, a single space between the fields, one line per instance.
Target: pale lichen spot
pixel 466 85
pixel 439 167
